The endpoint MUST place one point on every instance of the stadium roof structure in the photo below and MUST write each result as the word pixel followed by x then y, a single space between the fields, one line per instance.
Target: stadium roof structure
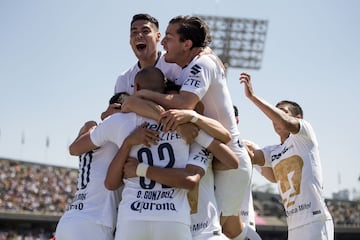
pixel 239 42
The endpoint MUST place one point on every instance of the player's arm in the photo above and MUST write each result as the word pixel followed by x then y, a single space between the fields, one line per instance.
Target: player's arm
pixel 186 178
pixel 277 116
pixel 173 118
pixel 268 173
pixel 83 143
pixel 142 107
pixel 140 135
pixel 226 157
pixel 258 158
pixel 181 100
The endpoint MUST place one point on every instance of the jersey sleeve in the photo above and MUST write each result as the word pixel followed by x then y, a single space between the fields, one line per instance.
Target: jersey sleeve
pixel 199 156
pixel 121 84
pixel 113 129
pixel 267 155
pixel 306 132
pixel 198 76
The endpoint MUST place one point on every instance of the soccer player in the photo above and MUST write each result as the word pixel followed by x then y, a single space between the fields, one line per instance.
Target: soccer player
pixel 296 168
pixel 144 39
pixel 85 218
pixel 205 220
pixel 247 213
pixel 152 210
pixel 203 79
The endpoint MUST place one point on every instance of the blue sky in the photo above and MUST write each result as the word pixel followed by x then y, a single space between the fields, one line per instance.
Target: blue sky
pixel 59 61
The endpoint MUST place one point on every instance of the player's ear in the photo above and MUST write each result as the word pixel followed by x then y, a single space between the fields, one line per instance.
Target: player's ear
pixel 188 44
pixel 136 87
pixel 158 36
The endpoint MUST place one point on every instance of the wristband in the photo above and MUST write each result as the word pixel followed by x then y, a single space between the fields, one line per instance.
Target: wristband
pixel 194 118
pixel 141 169
pixel 204 139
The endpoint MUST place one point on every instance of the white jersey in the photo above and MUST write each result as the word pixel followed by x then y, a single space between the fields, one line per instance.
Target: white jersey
pixel 205 77
pixel 142 198
pixel 297 169
pixel 125 82
pixel 91 191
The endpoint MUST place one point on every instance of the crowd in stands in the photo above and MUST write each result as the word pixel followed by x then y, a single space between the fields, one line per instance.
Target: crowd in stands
pixel 45 189
pixel 31 187
pixel 34 234
pixel 345 212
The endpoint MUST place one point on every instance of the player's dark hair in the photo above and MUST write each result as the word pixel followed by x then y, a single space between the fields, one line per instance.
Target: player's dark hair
pixel 236 111
pixel 118 98
pixel 172 87
pixel 192 28
pixel 294 107
pixel 145 16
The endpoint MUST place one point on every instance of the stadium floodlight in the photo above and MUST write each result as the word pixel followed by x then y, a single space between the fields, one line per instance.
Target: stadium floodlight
pixel 239 42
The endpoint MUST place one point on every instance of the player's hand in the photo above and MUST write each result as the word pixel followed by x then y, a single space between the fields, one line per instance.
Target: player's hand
pixel 246 80
pixel 172 118
pixel 87 127
pixel 250 145
pixel 112 108
pixel 129 170
pixel 143 135
pixel 143 93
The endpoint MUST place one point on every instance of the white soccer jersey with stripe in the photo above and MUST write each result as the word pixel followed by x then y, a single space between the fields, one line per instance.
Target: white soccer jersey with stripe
pixel 297 169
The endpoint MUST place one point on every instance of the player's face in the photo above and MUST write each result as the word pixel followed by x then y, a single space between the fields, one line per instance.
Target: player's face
pixel 280 130
pixel 144 38
pixel 172 45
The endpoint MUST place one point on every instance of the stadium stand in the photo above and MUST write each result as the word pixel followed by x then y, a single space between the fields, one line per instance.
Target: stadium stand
pixel 33 196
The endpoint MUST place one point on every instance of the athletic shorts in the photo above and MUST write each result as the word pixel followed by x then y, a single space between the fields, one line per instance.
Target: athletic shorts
pixel 71 228
pixel 247 212
pixel 210 236
pixel 151 230
pixel 231 185
pixel 321 230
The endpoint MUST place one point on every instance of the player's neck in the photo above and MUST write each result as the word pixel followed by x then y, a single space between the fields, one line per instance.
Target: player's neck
pixel 190 56
pixel 151 61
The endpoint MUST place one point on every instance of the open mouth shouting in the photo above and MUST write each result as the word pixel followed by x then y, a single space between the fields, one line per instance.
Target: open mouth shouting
pixel 140 46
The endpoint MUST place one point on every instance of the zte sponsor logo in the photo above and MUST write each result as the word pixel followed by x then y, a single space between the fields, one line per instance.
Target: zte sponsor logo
pixel 192 82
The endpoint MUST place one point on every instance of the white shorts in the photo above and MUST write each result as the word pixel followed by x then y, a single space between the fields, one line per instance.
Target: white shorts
pixel 210 236
pixel 231 185
pixel 71 228
pixel 321 230
pixel 151 230
pixel 247 212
